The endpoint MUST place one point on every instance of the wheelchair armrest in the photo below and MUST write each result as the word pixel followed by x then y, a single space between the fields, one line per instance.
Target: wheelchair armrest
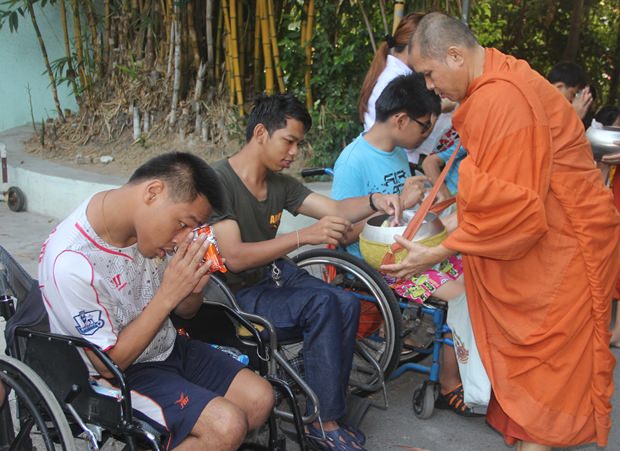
pixel 245 319
pixel 79 342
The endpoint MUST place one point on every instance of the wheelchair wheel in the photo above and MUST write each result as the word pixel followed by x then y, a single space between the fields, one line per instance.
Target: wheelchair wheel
pixel 380 320
pixel 31 416
pixel 424 399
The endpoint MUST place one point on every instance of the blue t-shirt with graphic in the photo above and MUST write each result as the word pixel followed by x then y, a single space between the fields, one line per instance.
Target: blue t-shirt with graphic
pixel 362 169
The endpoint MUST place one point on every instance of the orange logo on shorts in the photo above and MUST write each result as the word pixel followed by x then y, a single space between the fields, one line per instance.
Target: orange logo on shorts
pixel 183 400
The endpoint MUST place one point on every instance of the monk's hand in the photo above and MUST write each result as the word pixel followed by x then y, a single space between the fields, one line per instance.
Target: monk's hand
pixel 413 191
pixel 329 230
pixel 419 258
pixel 388 203
pixel 612 158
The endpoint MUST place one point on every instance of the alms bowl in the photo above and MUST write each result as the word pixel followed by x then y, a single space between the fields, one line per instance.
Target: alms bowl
pixel 375 239
pixel 603 141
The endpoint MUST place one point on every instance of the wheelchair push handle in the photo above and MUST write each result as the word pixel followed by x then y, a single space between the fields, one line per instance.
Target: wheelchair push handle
pixel 313 172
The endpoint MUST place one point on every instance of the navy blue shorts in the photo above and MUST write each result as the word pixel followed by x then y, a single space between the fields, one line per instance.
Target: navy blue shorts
pixel 170 395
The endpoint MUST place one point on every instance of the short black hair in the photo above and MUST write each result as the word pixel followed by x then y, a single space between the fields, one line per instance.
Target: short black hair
pixel 273 111
pixel 407 94
pixel 569 73
pixel 607 115
pixel 186 175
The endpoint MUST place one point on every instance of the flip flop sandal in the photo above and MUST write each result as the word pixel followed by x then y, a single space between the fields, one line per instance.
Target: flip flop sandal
pixel 455 401
pixel 336 440
pixel 356 433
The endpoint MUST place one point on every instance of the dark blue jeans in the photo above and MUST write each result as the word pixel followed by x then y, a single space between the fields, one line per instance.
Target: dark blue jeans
pixel 325 317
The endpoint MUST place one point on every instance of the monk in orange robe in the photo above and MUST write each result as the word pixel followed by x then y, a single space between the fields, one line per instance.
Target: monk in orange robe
pixel 539 234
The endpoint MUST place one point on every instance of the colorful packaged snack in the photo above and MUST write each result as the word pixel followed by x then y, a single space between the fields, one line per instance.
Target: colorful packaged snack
pixel 212 253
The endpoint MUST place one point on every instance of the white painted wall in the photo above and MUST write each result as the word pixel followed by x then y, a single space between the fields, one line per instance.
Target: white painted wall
pixel 21 65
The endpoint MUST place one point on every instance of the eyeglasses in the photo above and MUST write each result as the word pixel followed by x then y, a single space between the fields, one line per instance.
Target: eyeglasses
pixel 426 126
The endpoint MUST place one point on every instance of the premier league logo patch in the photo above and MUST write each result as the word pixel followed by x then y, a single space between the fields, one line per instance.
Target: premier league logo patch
pixel 88 322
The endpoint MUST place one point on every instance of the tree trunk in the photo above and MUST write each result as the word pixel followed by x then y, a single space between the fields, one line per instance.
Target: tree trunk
pixel 572 42
pixel 35 25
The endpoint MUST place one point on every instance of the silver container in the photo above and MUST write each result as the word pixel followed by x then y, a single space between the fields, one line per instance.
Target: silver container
pixel 373 231
pixel 602 141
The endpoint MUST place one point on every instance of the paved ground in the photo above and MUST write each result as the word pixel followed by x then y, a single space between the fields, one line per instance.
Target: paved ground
pixel 393 429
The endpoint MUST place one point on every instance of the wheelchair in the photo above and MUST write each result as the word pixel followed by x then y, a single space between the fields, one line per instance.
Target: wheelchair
pixel 282 367
pixel 49 398
pixel 397 332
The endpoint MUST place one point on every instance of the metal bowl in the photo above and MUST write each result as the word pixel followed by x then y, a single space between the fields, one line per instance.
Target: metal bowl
pixel 373 231
pixel 602 140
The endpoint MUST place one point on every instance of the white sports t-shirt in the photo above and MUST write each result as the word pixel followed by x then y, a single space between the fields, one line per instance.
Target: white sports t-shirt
pixel 93 290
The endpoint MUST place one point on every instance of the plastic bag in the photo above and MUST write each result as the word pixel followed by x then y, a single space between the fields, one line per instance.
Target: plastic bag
pixel 476 384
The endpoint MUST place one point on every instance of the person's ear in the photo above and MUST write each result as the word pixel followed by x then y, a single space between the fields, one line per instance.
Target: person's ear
pixel 399 120
pixel 455 56
pixel 153 191
pixel 260 133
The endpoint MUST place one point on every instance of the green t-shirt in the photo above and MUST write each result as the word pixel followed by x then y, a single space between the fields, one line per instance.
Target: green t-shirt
pixel 257 220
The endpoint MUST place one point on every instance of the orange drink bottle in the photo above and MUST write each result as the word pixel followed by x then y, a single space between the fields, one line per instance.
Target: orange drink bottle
pixel 212 254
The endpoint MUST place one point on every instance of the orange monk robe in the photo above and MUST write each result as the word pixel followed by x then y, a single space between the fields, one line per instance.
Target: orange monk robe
pixel 539 235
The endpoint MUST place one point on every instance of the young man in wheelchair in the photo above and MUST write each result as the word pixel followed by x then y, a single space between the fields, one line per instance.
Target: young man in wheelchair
pixel 110 273
pixel 299 305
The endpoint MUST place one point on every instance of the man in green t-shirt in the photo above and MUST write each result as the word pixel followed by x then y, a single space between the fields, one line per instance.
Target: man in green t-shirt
pixel 299 305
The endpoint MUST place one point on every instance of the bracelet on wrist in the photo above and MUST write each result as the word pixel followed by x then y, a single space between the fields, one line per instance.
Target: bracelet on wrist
pixel 371 203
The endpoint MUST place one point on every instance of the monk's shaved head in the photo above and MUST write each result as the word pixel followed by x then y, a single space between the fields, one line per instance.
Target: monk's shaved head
pixel 437 32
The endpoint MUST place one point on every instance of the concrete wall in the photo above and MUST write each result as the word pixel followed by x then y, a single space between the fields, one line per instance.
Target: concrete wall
pixel 21 65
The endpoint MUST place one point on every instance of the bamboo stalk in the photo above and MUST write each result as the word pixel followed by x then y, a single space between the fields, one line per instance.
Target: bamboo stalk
pixel 70 71
pixel 210 49
pixel 218 44
pixel 107 34
pixel 241 40
pixel 383 15
pixel 368 26
pixel 171 49
pixel 267 58
pixel 193 38
pixel 399 12
pixel 274 46
pixel 77 30
pixel 92 25
pixel 229 57
pixel 308 49
pixel 37 31
pixel 304 21
pixel 200 78
pixel 235 55
pixel 177 68
pixel 257 47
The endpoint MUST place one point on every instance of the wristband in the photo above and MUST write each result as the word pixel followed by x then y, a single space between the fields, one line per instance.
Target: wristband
pixel 371 203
